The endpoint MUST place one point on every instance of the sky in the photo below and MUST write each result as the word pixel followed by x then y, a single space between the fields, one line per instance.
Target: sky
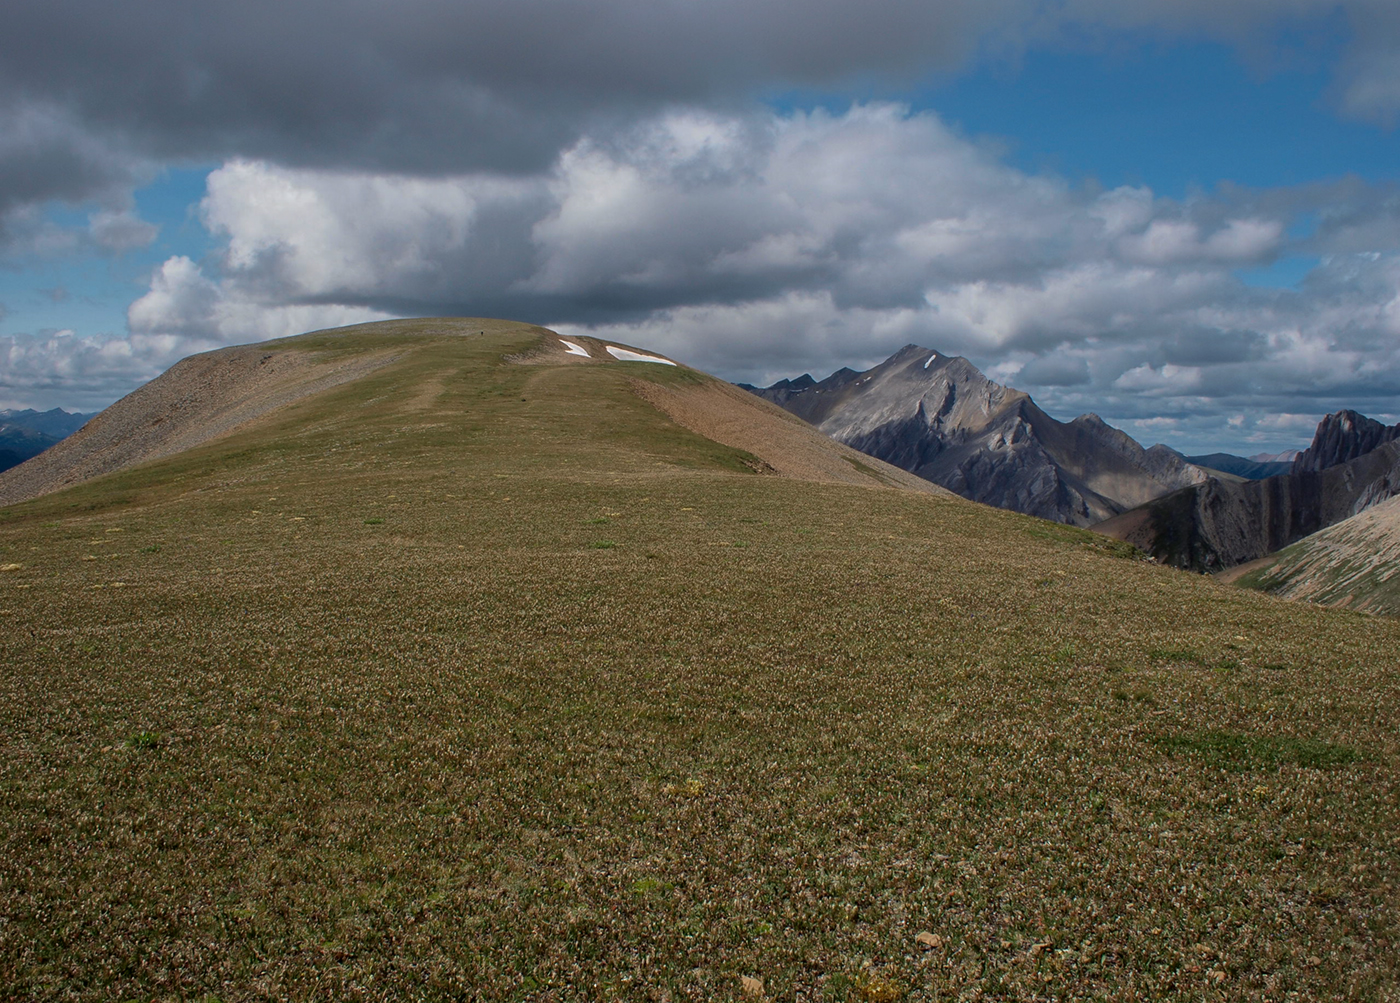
pixel 1182 215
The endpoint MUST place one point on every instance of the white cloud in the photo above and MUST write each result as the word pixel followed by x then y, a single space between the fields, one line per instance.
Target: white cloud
pixel 183 304
pixel 763 245
pixel 1160 381
pixel 86 373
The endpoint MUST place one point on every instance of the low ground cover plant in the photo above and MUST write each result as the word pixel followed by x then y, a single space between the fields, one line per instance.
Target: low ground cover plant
pixel 895 747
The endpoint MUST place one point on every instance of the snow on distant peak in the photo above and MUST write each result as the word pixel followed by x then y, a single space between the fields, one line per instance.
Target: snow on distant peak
pixel 930 359
pixel 623 355
pixel 572 349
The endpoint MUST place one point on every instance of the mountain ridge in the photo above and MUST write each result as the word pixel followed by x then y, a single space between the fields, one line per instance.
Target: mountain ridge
pixel 26 433
pixel 1341 437
pixel 1352 463
pixel 1220 524
pixel 941 418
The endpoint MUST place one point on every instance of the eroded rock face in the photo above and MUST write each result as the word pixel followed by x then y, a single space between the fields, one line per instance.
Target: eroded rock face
pixel 939 417
pixel 1219 524
pixel 1352 464
pixel 1342 437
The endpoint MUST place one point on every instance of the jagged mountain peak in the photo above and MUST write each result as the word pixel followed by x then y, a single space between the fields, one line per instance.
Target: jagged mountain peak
pixel 1342 437
pixel 942 418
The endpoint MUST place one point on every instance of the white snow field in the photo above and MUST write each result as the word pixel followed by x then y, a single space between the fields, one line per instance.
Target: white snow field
pixel 623 355
pixel 572 349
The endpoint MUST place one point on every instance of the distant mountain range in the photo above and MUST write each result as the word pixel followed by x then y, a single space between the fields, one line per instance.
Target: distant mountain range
pixel 27 433
pixel 940 418
pixel 937 416
pixel 1250 468
pixel 1352 464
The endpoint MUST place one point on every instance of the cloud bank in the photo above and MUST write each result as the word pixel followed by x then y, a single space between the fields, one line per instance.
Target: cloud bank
pixel 440 87
pixel 601 165
pixel 762 246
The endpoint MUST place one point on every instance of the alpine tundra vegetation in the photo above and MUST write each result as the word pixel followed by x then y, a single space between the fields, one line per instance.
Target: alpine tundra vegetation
pixel 451 660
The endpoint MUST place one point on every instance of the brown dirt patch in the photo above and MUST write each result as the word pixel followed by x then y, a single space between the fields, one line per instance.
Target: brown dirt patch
pixel 1231 575
pixel 198 399
pixel 784 444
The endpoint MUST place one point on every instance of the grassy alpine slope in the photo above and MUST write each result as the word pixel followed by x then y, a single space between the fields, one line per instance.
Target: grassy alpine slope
pixel 1355 563
pixel 476 680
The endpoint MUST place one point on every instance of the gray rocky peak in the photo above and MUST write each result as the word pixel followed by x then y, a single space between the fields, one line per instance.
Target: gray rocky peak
pixel 1342 437
pixel 940 417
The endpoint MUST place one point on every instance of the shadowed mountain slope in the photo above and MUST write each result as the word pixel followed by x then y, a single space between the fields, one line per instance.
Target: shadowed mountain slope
pixel 1355 563
pixel 27 433
pixel 18 444
pixel 494 673
pixel 940 418
pixel 1223 523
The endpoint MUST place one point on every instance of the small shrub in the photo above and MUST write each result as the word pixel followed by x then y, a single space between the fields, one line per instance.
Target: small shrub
pixel 144 741
pixel 374 522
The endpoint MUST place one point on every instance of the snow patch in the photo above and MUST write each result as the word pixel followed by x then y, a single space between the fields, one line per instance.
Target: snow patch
pixel 571 349
pixel 930 359
pixel 623 355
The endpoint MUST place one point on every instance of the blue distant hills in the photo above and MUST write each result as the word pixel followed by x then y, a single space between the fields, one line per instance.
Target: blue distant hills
pixel 27 433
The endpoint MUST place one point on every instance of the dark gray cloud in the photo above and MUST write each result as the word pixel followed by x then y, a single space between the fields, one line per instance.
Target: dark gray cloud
pixel 439 85
pixel 425 86
pixel 46 156
pixel 601 163
pixel 1055 370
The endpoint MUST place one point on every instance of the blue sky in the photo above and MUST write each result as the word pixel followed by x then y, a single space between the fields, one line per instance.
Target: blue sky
pixel 1183 218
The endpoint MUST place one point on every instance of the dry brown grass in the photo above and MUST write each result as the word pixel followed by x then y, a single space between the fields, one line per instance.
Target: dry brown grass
pixel 351 705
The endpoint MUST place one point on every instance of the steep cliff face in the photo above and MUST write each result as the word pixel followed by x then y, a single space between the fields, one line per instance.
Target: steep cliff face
pixel 1219 524
pixel 1342 437
pixel 939 417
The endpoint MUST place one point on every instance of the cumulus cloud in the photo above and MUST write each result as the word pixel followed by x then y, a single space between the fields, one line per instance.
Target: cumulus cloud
pixel 85 373
pixel 185 305
pixel 759 245
pixel 438 87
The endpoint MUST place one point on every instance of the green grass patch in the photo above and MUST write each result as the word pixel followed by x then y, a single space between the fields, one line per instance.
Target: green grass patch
pixel 144 741
pixel 1235 751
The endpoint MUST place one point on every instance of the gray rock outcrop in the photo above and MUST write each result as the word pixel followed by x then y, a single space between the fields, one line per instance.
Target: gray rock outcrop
pixel 939 417
pixel 1220 524
pixel 1342 437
